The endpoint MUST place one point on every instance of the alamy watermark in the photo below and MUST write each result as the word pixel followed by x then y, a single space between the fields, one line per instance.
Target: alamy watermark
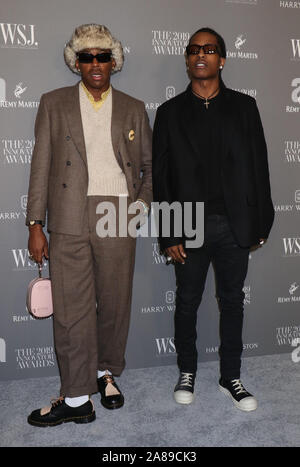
pixel 296 352
pixel 170 220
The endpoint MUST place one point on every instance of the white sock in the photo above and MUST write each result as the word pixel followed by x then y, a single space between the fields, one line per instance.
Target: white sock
pixel 76 401
pixel 102 373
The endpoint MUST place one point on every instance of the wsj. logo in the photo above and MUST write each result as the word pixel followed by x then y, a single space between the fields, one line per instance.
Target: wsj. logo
pixel 296 49
pixel 165 345
pixel 170 92
pixel 239 41
pixel 18 36
pixel 2 351
pixel 22 261
pixel 291 246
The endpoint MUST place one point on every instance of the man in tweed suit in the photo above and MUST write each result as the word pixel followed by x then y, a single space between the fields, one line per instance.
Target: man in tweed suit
pixel 93 145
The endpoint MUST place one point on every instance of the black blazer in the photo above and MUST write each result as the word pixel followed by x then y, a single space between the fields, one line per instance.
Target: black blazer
pixel 244 165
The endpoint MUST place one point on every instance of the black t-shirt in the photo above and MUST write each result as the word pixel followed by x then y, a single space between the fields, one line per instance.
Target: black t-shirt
pixel 210 150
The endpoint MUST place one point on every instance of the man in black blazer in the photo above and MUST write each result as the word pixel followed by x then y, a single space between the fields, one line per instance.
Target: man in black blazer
pixel 209 146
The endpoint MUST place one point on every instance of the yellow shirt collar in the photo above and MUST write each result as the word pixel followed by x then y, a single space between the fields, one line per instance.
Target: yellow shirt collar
pixel 96 104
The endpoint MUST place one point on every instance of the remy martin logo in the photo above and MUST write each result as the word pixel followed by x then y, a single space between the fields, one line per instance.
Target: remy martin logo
pixel 239 51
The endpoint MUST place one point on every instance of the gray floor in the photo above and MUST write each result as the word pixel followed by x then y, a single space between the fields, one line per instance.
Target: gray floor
pixel 151 418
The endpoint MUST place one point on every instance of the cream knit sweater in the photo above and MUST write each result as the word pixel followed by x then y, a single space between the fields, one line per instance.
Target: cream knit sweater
pixel 105 174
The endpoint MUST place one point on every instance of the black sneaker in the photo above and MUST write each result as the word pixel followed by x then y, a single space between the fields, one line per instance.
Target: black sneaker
pixel 111 396
pixel 184 389
pixel 59 412
pixel 242 399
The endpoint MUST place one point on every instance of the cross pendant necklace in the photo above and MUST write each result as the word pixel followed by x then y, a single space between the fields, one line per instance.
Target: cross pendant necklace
pixel 206 103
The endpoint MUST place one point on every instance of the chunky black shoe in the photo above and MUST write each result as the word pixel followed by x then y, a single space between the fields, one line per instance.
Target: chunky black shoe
pixel 111 396
pixel 242 399
pixel 59 412
pixel 184 389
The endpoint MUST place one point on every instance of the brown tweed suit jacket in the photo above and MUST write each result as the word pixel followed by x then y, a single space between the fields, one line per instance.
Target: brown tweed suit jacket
pixel 59 175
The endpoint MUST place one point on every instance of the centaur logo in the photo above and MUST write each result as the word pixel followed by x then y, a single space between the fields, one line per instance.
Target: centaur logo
pixel 20 36
pixel 291 246
pixel 2 351
pixel 293 288
pixel 19 90
pixel 165 346
pixel 239 42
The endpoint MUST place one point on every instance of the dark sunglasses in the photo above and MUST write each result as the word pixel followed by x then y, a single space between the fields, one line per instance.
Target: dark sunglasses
pixel 194 49
pixel 85 57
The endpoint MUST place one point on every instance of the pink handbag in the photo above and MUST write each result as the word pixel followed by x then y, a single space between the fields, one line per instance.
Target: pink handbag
pixel 39 296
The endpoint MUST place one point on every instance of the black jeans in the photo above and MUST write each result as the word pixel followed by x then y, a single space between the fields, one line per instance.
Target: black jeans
pixel 230 263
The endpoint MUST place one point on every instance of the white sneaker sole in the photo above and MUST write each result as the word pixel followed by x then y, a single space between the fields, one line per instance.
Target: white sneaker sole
pixel 247 405
pixel 183 397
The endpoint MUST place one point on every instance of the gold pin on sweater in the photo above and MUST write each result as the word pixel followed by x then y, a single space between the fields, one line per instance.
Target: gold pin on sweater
pixel 131 135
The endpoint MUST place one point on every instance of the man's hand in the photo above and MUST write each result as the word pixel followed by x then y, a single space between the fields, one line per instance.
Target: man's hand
pixel 177 253
pixel 262 241
pixel 37 244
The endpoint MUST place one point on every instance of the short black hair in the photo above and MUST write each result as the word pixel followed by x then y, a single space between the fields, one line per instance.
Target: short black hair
pixel 220 40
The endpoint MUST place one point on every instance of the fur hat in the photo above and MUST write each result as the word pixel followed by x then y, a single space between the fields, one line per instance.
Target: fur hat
pixel 93 36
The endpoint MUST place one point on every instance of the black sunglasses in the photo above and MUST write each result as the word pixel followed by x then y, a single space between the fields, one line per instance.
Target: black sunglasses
pixel 194 49
pixel 85 57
